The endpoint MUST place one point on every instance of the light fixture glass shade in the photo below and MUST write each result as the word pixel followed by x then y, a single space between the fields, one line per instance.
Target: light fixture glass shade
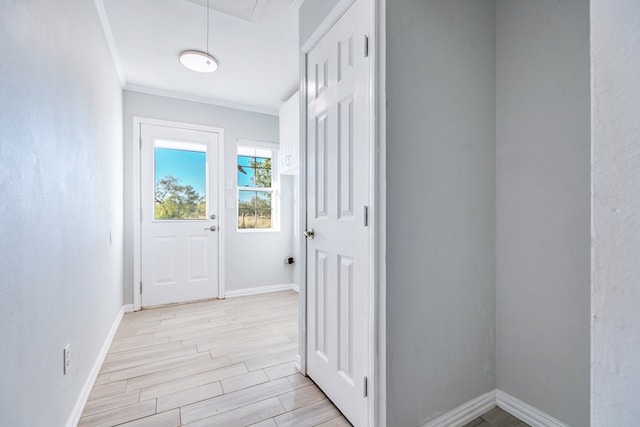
pixel 196 60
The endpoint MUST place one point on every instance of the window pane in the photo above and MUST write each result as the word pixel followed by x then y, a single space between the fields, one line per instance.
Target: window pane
pixel 264 218
pixel 246 176
pixel 246 218
pixel 247 199
pixel 180 184
pixel 263 200
pixel 245 161
pixel 262 177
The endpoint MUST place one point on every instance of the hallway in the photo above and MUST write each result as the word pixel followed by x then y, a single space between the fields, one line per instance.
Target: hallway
pixel 222 362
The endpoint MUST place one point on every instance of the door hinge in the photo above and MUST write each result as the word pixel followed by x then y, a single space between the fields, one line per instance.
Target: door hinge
pixel 366 387
pixel 140 287
pixel 366 216
pixel 140 145
pixel 366 46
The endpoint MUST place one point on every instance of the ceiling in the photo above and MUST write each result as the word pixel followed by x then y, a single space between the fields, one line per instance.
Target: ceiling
pixel 255 42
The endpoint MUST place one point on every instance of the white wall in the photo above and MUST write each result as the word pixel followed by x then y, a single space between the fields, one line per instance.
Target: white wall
pixel 615 346
pixel 252 259
pixel 543 205
pixel 440 142
pixel 60 204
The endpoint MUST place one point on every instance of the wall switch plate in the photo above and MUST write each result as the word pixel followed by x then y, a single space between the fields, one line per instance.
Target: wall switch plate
pixel 66 357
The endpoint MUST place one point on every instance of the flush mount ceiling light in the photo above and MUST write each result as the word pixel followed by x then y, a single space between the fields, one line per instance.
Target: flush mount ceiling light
pixel 197 60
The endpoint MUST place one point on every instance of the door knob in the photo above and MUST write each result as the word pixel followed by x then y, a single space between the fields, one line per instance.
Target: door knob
pixel 212 228
pixel 309 234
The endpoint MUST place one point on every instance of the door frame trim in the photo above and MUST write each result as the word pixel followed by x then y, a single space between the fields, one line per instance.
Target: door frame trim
pixel 377 341
pixel 135 214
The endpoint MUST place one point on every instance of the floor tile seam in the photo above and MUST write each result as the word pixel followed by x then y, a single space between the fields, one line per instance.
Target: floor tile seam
pixel 169 362
pixel 260 399
pixel 119 408
pixel 164 381
pixel 109 408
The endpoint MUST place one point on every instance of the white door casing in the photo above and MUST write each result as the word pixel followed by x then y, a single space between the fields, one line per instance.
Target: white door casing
pixel 338 190
pixel 179 258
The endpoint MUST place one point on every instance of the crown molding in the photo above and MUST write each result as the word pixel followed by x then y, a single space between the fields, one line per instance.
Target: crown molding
pixel 296 4
pixel 200 99
pixel 106 28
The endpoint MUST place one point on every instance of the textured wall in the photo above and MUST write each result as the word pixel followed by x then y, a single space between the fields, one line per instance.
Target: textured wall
pixel 264 252
pixel 543 205
pixel 440 206
pixel 60 204
pixel 615 348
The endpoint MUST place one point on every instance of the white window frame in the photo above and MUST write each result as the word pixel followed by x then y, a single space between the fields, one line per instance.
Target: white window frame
pixel 275 185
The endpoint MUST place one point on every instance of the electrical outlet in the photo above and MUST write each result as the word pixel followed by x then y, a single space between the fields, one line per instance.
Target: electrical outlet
pixel 66 357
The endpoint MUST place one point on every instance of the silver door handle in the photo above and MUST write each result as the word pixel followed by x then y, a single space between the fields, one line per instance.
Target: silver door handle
pixel 212 228
pixel 309 234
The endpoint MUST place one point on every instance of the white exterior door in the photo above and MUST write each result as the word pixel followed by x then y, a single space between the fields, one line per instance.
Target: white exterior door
pixel 338 186
pixel 179 218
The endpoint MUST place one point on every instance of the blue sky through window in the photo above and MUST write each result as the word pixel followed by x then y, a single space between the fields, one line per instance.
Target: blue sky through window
pixel 190 167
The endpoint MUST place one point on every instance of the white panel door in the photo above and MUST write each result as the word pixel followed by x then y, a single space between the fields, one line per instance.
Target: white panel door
pixel 338 185
pixel 179 201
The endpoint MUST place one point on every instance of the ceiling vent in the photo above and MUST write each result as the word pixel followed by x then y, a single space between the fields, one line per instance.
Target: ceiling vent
pixel 247 10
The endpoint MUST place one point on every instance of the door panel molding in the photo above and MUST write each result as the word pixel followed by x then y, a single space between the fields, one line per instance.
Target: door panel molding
pixel 374 310
pixel 138 121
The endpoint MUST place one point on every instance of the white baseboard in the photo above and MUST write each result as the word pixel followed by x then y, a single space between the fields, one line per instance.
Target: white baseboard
pixel 74 418
pixel 478 406
pixel 526 412
pixel 128 308
pixel 465 412
pixel 259 290
pixel 295 287
pixel 298 363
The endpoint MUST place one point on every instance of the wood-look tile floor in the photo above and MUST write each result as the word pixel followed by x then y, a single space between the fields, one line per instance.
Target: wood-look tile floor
pixel 496 418
pixel 216 363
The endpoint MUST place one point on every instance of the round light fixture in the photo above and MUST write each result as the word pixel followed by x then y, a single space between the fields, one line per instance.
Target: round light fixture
pixel 196 60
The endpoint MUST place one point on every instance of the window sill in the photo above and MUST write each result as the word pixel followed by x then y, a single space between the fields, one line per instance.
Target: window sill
pixel 257 230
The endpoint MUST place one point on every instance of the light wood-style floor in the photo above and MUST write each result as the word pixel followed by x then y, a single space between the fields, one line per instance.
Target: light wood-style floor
pixel 216 363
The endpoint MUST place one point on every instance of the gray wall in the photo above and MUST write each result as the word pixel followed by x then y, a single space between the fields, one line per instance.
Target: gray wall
pixel 615 347
pixel 543 205
pixel 311 15
pixel 252 259
pixel 60 204
pixel 440 145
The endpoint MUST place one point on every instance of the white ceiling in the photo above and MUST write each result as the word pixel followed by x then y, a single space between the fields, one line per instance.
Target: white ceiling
pixel 255 42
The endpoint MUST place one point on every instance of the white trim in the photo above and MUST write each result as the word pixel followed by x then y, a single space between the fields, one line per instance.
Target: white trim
pixel 326 25
pixel 256 143
pixel 302 220
pixel 200 99
pixel 135 214
pixel 298 363
pixel 128 308
pixel 482 404
pixel 466 412
pixel 259 290
pixel 106 28
pixel 526 412
pixel 76 413
pixel 378 99
pixel 295 287
pixel 296 4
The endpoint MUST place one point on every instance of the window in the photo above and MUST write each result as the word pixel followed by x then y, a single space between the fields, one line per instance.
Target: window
pixel 180 181
pixel 257 187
